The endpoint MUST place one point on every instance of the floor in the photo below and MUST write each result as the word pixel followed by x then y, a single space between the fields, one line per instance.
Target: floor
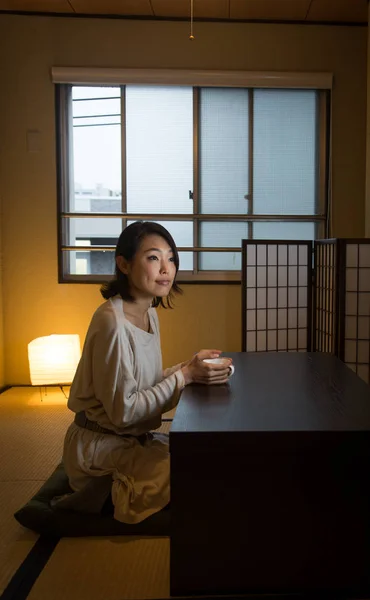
pixel 33 424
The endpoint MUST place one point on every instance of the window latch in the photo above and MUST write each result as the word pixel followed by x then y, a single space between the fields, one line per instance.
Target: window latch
pixel 191 195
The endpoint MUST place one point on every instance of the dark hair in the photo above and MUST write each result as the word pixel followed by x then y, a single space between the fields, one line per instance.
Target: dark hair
pixel 128 244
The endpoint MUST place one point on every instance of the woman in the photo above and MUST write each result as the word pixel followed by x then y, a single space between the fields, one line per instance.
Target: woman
pixel 120 391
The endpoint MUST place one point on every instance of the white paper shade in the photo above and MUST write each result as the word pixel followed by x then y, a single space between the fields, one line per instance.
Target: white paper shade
pixel 53 359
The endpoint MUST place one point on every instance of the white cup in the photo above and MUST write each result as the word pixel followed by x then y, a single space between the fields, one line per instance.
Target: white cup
pixel 219 361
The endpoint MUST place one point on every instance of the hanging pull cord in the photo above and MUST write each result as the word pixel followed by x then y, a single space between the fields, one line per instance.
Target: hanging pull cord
pixel 191 36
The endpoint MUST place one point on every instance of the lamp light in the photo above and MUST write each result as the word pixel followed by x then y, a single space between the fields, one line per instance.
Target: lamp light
pixel 53 359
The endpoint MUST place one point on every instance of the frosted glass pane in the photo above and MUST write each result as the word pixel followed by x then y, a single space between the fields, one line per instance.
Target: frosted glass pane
pixel 224 148
pixel 181 231
pixel 352 253
pixel 268 230
pixel 224 235
pixel 285 151
pixel 159 148
pixel 364 255
pixel 220 261
pixel 186 261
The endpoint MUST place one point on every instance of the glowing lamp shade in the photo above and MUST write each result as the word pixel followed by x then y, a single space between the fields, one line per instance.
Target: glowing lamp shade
pixel 53 359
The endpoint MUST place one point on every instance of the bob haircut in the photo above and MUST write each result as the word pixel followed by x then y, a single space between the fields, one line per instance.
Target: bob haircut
pixel 128 244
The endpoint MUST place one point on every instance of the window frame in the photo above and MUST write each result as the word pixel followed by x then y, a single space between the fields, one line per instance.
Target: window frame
pixel 65 79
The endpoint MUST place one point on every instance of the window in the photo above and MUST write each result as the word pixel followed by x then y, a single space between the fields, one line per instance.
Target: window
pixel 214 165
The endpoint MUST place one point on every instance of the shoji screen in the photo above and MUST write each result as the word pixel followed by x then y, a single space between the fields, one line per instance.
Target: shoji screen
pixel 325 308
pixel 276 295
pixel 354 298
pixel 342 301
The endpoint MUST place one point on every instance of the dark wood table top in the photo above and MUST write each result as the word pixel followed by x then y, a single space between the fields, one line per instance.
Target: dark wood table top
pixel 278 392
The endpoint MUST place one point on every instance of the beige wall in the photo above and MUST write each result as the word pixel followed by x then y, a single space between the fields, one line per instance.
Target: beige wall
pixel 2 180
pixel 2 375
pixel 367 207
pixel 34 303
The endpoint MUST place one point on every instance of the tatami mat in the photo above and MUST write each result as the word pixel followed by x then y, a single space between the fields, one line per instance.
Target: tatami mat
pixel 15 541
pixel 33 426
pixel 117 568
pixel 31 440
pixel 165 427
pixel 31 443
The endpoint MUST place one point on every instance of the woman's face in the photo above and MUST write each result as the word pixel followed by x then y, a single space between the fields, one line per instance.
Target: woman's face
pixel 152 270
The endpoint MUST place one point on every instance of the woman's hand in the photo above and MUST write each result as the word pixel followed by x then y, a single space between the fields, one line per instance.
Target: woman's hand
pixel 198 371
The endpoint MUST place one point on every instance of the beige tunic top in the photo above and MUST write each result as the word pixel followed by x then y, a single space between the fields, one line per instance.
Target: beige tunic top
pixel 120 384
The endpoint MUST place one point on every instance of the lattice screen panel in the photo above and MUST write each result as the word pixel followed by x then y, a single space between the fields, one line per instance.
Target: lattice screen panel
pixel 355 321
pixel 325 304
pixel 341 307
pixel 277 288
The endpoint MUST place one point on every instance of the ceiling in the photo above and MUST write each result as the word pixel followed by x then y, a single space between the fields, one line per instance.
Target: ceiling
pixel 322 11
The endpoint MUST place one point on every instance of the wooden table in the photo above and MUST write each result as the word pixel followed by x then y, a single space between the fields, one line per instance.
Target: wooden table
pixel 270 479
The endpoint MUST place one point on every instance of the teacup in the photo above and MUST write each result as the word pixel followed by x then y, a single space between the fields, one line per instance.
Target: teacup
pixel 220 361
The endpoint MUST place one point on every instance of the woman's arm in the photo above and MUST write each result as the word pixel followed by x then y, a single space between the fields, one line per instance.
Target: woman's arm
pixel 115 385
pixel 170 370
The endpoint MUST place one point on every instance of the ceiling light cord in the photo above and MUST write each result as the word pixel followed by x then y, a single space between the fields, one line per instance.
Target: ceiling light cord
pixel 191 36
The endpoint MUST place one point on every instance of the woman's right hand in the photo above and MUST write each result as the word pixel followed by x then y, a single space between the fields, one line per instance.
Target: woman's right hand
pixel 198 371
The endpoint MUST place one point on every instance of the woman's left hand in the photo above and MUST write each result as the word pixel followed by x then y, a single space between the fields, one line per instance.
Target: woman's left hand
pixel 197 370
